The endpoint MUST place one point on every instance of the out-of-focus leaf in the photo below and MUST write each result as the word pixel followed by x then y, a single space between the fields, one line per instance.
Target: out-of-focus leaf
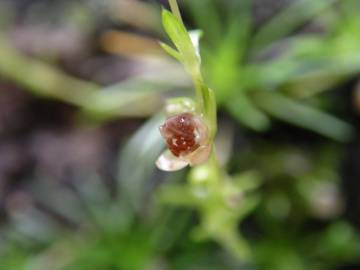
pixel 136 98
pixel 240 26
pixel 302 115
pixel 101 210
pixel 247 181
pixel 330 72
pixel 223 63
pixel 59 199
pixel 201 12
pixel 137 161
pixel 288 20
pixel 178 195
pixel 312 84
pixel 339 241
pixel 7 15
pixel 248 205
pixel 242 108
pixel 143 15
pixel 41 78
pixel 33 224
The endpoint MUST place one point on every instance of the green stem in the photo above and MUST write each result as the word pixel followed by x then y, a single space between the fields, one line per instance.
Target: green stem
pixel 175 10
pixel 197 81
pixel 214 162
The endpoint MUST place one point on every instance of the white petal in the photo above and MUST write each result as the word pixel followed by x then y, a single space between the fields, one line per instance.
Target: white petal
pixel 200 155
pixel 168 162
pixel 177 106
pixel 201 131
pixel 195 36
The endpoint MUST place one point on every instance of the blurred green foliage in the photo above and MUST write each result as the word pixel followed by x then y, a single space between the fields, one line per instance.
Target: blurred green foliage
pixel 280 207
pixel 269 71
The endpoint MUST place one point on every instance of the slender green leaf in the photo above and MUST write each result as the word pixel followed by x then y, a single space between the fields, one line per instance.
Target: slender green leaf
pixel 302 115
pixel 207 18
pixel 288 20
pixel 133 97
pixel 242 108
pixel 174 53
pixel 181 39
pixel 137 159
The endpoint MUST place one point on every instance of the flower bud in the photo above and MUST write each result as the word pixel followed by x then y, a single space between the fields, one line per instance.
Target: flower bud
pixel 186 136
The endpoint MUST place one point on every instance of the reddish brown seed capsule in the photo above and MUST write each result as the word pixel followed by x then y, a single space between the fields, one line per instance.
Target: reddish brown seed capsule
pixel 183 133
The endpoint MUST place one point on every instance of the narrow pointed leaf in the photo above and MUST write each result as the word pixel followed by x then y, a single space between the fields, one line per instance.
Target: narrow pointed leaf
pixel 303 115
pixel 288 20
pixel 174 53
pixel 243 110
pixel 136 162
pixel 181 39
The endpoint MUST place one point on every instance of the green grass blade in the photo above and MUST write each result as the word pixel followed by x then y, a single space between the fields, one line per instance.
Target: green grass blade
pixel 288 20
pixel 207 18
pixel 244 111
pixel 302 115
